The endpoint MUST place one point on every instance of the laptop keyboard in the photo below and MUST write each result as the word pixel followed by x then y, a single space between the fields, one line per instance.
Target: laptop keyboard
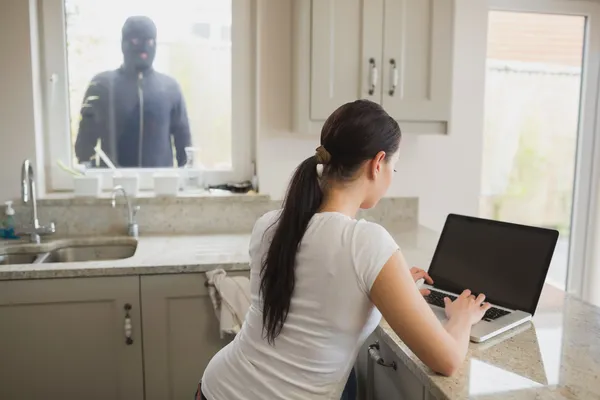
pixel 437 299
pixel 494 313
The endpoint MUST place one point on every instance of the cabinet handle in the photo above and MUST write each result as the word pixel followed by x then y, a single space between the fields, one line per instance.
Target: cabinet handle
pixel 375 357
pixel 394 76
pixel 128 327
pixel 373 76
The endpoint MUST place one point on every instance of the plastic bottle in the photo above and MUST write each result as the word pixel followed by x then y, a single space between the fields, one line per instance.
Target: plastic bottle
pixel 194 176
pixel 8 223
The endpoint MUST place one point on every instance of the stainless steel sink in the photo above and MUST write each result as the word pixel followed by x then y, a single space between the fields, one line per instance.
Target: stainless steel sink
pixel 99 249
pixel 24 258
pixel 89 253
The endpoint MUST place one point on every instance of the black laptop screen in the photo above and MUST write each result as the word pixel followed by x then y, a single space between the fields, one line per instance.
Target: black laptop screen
pixel 506 262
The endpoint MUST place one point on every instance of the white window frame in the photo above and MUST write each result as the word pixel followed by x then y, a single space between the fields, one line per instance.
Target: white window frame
pixel 57 141
pixel 587 168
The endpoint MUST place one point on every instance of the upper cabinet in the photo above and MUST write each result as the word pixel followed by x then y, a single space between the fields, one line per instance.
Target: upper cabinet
pixel 338 60
pixel 417 62
pixel 397 53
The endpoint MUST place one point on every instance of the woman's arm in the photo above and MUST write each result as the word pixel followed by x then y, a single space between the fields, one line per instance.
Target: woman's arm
pixel 441 348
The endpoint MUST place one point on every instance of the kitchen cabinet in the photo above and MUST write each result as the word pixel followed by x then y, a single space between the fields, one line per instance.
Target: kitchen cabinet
pixel 390 380
pixel 181 333
pixel 397 53
pixel 338 60
pixel 66 339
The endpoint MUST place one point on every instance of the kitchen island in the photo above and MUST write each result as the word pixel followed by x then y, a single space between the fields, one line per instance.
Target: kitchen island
pixel 555 356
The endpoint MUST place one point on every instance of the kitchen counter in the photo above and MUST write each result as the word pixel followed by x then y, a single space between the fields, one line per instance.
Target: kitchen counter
pixel 154 255
pixel 556 356
pixel 177 254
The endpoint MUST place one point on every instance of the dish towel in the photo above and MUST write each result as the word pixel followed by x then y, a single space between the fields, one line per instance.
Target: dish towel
pixel 230 297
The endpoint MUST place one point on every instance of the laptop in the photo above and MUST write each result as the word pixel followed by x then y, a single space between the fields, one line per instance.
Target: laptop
pixel 506 262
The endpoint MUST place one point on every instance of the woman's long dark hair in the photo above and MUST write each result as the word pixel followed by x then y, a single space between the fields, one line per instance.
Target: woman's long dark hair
pixel 352 135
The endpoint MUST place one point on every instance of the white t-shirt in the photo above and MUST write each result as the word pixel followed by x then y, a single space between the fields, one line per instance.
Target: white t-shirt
pixel 330 316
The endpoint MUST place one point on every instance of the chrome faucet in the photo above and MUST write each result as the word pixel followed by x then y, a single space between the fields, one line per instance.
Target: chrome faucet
pixel 132 225
pixel 28 195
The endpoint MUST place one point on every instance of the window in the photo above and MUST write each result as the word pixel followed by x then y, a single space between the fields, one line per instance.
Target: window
pixel 149 83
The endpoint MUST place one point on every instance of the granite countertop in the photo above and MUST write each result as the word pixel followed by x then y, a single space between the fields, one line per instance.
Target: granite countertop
pixel 172 254
pixel 556 356
pixel 154 255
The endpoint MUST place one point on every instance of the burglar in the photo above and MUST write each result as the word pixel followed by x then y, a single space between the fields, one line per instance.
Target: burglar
pixel 134 111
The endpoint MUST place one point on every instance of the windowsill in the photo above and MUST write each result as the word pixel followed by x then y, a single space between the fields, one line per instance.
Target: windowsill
pixel 148 197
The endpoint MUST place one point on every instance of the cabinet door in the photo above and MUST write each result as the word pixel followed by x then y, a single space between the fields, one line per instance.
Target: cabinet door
pixel 361 366
pixel 417 57
pixel 383 382
pixel 398 381
pixel 181 334
pixel 65 339
pixel 346 50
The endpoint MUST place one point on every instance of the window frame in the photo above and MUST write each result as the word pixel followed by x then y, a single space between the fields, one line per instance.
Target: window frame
pixel 587 167
pixel 55 101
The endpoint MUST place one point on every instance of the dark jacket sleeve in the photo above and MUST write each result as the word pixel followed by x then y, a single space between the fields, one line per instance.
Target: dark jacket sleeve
pixel 92 120
pixel 180 127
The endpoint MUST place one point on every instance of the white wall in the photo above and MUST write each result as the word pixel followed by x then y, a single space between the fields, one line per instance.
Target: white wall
pixel 443 171
pixel 17 122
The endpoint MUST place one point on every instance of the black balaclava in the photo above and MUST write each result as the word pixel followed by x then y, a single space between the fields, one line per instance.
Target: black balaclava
pixel 138 43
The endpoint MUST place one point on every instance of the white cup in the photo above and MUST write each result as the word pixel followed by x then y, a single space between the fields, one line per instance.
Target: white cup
pixel 131 184
pixel 87 185
pixel 166 184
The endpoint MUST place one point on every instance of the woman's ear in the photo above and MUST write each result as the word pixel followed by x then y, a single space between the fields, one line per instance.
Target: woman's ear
pixel 377 164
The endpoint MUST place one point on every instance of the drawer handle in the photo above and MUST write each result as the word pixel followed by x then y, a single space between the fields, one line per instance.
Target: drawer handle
pixel 128 326
pixel 376 356
pixel 373 76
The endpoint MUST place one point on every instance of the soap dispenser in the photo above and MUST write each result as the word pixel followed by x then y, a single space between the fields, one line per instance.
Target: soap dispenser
pixel 8 223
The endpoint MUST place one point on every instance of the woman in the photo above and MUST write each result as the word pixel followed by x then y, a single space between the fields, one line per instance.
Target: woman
pixel 320 278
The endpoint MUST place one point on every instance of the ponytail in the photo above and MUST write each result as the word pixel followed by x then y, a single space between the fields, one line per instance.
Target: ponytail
pixel 355 133
pixel 302 201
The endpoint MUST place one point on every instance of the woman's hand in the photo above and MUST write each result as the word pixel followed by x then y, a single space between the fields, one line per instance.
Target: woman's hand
pixel 467 306
pixel 394 293
pixel 418 274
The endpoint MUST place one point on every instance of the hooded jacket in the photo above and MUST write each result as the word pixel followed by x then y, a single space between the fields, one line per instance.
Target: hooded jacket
pixel 138 114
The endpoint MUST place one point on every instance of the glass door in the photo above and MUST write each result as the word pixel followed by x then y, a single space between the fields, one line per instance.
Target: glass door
pixel 533 109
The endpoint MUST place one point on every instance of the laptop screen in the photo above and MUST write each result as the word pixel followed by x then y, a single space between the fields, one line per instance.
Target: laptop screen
pixel 506 262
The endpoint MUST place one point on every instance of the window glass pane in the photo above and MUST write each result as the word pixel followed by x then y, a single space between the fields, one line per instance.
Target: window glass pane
pixel 148 79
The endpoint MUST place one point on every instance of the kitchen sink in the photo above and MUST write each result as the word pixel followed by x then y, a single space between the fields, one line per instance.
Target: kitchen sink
pixel 24 258
pixel 69 251
pixel 89 253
